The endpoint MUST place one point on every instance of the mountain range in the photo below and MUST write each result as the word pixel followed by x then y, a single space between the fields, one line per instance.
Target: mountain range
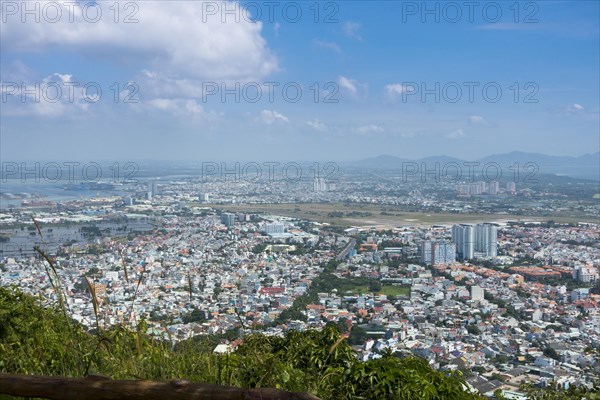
pixel 586 166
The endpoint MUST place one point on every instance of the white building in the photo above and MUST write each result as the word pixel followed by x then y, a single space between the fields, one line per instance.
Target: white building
pixel 464 237
pixel 274 228
pixel 477 293
pixel 493 188
pixel 585 274
pixel 486 240
pixel 511 187
pixel 228 219
pixel 437 252
pixel 319 185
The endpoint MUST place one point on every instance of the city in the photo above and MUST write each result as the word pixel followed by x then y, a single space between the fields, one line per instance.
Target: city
pixel 510 301
pixel 300 200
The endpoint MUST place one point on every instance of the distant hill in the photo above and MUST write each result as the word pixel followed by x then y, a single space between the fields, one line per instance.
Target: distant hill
pixel 586 166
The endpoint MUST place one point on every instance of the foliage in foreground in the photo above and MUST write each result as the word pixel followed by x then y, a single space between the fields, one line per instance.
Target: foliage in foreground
pixel 35 340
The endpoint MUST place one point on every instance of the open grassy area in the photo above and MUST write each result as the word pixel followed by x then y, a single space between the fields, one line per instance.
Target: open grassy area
pixel 359 289
pixel 386 216
pixel 390 290
pixel 355 285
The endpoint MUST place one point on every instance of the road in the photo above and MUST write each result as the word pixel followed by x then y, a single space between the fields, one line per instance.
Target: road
pixel 346 249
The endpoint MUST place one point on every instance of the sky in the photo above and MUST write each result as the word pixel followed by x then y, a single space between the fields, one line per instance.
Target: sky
pixel 305 80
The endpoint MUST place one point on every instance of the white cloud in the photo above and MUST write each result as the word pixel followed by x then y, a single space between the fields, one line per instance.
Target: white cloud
pixel 163 104
pixel 193 107
pixel 352 88
pixel 179 108
pixel 64 77
pixel 351 30
pixel 328 45
pixel 394 89
pixel 457 134
pixel 55 96
pixel 317 125
pixel 370 129
pixel 179 39
pixel 348 84
pixel 478 120
pixel 574 109
pixel 270 117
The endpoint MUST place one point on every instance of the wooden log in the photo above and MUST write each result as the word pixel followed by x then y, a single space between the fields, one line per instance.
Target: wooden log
pixel 103 388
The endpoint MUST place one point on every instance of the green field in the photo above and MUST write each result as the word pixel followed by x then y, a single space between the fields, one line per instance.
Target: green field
pixel 326 282
pixel 390 290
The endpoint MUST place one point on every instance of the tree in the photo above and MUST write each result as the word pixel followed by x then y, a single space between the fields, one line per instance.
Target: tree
pixel 92 271
pixel 358 336
pixel 473 329
pixel 550 352
pixel 375 286
pixel 217 290
pixel 195 316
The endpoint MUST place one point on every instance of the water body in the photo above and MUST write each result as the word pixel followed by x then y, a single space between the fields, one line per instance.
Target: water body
pixel 13 192
pixel 20 242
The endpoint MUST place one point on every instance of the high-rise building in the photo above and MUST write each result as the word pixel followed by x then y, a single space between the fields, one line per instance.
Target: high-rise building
pixel 425 250
pixel 152 190
pixel 228 219
pixel 462 189
pixel 203 197
pixel 475 188
pixel 481 239
pixel 585 274
pixel 437 252
pixel 464 237
pixel 242 217
pixel 319 185
pixel 493 188
pixel 274 228
pixel 511 187
pixel 486 240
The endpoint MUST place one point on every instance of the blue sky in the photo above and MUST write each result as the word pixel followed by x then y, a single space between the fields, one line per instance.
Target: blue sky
pixel 373 54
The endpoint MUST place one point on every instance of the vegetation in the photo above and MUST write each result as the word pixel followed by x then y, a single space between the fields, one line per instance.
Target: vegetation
pixel 259 248
pixel 34 340
pixel 326 282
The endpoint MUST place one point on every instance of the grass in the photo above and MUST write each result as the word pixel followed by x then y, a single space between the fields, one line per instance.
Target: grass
pixel 390 290
pixel 359 289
